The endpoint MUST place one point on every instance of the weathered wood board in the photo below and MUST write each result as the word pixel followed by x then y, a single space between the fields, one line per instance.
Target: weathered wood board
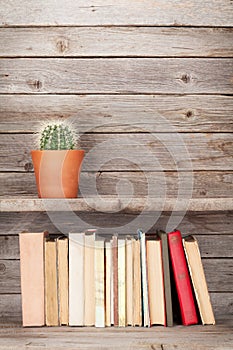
pixel 116 75
pixel 145 151
pixel 119 113
pixel 206 184
pixel 116 42
pixel 122 12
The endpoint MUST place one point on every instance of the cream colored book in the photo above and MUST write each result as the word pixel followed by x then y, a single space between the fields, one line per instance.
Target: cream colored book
pixel 63 283
pixel 89 278
pixel 108 282
pixel 129 282
pixel 145 300
pixel 121 283
pixel 76 279
pixel 51 282
pixel 155 282
pixel 99 284
pixel 112 286
pixel 197 274
pixel 137 310
pixel 32 278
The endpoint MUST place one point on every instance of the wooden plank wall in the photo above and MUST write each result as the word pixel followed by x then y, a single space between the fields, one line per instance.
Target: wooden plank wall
pixel 136 78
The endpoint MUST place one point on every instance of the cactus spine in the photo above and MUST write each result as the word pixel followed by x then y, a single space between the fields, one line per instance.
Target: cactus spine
pixel 57 136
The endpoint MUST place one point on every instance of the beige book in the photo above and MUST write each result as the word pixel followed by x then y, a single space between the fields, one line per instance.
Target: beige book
pixel 137 310
pixel 108 282
pixel 121 283
pixel 155 282
pixel 32 278
pixel 63 288
pixel 76 279
pixel 51 293
pixel 99 284
pixel 197 274
pixel 89 280
pixel 129 282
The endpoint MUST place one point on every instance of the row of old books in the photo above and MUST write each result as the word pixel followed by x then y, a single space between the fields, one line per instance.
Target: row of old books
pixel 87 280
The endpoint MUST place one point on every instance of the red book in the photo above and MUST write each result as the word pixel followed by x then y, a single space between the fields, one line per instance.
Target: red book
pixel 182 279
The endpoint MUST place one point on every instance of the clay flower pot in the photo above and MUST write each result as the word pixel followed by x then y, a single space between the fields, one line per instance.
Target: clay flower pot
pixel 57 172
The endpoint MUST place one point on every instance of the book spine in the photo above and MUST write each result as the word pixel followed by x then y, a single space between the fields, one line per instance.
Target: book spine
pixel 182 280
pixel 108 280
pixel 115 278
pixel 121 284
pixel 63 288
pixel 99 284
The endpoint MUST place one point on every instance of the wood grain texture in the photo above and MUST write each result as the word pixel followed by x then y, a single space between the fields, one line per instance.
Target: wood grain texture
pixel 116 42
pixel 219 246
pixel 218 275
pixel 119 113
pixel 122 12
pixel 109 204
pixel 206 184
pixel 145 152
pixel 193 223
pixel 120 76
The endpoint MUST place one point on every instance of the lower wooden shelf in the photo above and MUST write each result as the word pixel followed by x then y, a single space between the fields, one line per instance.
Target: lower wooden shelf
pixel 115 204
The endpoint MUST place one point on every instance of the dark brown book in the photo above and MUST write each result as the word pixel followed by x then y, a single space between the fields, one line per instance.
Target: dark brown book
pixel 166 278
pixel 114 243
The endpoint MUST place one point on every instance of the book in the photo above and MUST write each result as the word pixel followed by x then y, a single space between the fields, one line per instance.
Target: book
pixel 121 283
pixel 76 279
pixel 32 278
pixel 108 283
pixel 182 279
pixel 99 284
pixel 51 283
pixel 145 301
pixel 63 284
pixel 155 281
pixel 89 278
pixel 115 278
pixel 137 310
pixel 166 278
pixel 198 279
pixel 129 282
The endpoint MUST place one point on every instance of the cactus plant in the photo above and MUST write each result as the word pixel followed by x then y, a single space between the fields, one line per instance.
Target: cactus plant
pixel 57 136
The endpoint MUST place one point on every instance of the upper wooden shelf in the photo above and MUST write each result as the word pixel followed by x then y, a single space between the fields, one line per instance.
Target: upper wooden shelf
pixel 110 204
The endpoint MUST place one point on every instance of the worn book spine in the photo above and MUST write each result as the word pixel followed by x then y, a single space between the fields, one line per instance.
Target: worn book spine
pixel 89 278
pixel 32 278
pixel 63 284
pixel 115 278
pixel 129 282
pixel 51 284
pixel 108 282
pixel 99 284
pixel 137 310
pixel 155 282
pixel 182 279
pixel 121 283
pixel 76 279
pixel 198 280
pixel 166 278
pixel 145 301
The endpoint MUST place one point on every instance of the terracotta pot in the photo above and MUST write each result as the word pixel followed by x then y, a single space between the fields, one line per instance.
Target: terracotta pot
pixel 57 172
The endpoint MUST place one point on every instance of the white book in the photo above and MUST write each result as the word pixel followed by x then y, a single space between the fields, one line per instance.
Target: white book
pixel 99 284
pixel 121 284
pixel 76 279
pixel 145 300
pixel 89 280
pixel 129 282
pixel 108 282
pixel 112 290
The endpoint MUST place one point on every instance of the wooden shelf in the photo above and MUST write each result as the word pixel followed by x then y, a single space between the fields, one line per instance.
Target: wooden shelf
pixel 110 204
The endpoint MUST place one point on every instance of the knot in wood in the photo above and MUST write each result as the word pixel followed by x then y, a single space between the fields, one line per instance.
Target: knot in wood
pixel 189 114
pixel 28 167
pixel 35 84
pixel 2 268
pixel 186 78
pixel 62 45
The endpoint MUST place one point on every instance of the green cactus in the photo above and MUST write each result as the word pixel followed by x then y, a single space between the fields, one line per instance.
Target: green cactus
pixel 57 136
